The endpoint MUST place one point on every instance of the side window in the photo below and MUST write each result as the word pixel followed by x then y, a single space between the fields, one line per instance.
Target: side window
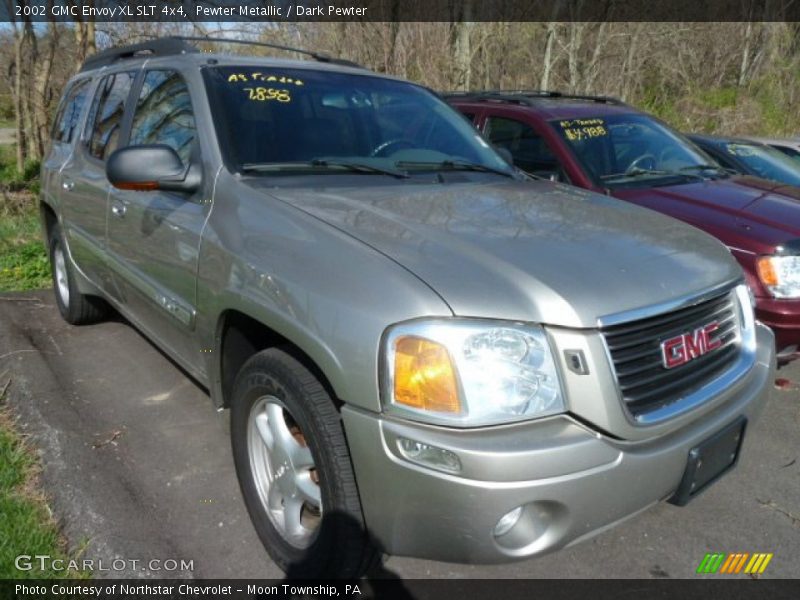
pixel 66 121
pixel 106 115
pixel 164 114
pixel 528 149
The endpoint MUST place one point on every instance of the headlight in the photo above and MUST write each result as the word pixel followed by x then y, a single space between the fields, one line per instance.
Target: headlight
pixel 780 275
pixel 468 373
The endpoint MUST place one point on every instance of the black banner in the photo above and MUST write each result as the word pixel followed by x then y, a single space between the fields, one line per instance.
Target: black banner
pixel 396 589
pixel 397 10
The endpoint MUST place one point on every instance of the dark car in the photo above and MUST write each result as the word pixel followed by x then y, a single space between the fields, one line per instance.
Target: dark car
pixel 604 145
pixel 748 157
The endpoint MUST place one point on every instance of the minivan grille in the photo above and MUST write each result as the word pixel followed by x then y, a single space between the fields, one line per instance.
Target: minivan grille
pixel 635 349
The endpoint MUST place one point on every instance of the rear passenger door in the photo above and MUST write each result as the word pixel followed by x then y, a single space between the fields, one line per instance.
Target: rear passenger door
pixel 84 187
pixel 65 132
pixel 154 237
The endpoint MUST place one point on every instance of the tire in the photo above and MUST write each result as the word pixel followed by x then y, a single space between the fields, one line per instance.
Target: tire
pixel 75 308
pixel 284 429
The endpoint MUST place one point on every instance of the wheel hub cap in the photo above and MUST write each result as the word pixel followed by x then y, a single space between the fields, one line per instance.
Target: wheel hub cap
pixel 284 472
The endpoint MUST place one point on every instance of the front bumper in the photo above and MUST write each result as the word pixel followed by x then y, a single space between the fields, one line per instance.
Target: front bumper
pixel 572 481
pixel 783 317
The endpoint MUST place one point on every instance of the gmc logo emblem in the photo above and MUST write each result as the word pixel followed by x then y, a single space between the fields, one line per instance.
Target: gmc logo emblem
pixel 681 349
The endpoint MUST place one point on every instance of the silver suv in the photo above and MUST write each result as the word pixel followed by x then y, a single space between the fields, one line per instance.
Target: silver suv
pixel 423 351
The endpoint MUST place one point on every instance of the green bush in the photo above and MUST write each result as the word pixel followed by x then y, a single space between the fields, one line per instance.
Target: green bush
pixel 24 264
pixel 11 179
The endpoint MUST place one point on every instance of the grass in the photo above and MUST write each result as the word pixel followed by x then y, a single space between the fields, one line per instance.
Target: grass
pixel 23 259
pixel 26 525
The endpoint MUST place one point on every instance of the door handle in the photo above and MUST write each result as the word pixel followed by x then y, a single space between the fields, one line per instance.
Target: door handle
pixel 67 185
pixel 119 210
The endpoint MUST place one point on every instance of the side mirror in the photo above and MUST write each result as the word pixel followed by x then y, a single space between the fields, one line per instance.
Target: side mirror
pixel 154 167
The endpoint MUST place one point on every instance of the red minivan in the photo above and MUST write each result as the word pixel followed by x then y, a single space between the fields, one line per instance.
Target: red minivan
pixel 607 146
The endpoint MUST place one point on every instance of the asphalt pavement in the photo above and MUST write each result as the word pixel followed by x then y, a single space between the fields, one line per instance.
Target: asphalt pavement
pixel 137 465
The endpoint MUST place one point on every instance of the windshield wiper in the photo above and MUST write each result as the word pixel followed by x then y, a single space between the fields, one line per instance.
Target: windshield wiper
pixel 705 167
pixel 355 167
pixel 359 167
pixel 640 172
pixel 457 165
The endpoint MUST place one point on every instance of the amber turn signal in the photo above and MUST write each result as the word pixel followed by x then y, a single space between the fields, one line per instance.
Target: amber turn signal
pixel 424 377
pixel 766 271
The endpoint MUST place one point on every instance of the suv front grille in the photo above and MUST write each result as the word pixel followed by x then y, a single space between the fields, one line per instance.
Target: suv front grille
pixel 635 348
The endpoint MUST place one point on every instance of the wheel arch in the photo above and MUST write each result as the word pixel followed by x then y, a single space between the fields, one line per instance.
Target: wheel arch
pixel 239 336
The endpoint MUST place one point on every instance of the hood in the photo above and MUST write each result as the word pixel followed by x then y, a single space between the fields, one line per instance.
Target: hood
pixel 769 210
pixel 540 252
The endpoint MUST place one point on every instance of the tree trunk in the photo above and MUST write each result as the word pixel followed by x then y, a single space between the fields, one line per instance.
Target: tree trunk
pixel 41 102
pixel 84 39
pixel 550 40
pixel 748 34
pixel 462 50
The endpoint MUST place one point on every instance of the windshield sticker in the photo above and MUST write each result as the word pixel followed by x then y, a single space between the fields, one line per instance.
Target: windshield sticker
pixel 262 94
pixel 263 77
pixel 583 129
pixel 740 150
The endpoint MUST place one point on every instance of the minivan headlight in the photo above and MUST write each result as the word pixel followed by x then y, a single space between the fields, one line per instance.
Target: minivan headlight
pixel 467 372
pixel 780 275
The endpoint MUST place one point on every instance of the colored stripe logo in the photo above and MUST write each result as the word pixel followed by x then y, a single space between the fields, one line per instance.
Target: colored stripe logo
pixel 737 562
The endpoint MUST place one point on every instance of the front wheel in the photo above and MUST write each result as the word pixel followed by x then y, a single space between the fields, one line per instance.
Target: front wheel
pixel 294 470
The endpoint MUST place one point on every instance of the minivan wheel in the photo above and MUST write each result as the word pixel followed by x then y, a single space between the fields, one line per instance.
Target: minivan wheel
pixel 294 470
pixel 75 308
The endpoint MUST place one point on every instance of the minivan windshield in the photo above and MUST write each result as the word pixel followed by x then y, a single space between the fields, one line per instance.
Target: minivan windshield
pixel 282 120
pixel 628 150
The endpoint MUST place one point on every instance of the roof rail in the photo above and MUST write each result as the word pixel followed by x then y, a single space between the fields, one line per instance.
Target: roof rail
pixel 155 47
pixel 318 56
pixel 528 97
pixel 169 46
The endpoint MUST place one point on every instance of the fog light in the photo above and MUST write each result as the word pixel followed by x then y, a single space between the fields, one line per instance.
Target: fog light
pixel 430 456
pixel 507 522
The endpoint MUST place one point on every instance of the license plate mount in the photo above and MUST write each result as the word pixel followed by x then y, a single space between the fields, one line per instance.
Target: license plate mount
pixel 710 460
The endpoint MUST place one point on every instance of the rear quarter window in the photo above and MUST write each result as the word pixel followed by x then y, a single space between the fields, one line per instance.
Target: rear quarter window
pixel 69 113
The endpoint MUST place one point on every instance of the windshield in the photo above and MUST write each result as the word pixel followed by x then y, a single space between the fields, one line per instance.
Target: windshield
pixel 274 120
pixel 633 149
pixel 765 162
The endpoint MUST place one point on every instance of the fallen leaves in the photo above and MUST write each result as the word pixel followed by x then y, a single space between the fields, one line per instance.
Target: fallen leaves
pixel 111 439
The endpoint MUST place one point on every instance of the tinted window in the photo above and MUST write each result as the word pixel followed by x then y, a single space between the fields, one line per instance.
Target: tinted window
pixel 164 114
pixel 528 149
pixel 66 121
pixel 106 115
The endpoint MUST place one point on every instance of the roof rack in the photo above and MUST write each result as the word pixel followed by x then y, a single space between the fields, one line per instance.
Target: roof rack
pixel 169 46
pixel 155 47
pixel 529 97
pixel 318 56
